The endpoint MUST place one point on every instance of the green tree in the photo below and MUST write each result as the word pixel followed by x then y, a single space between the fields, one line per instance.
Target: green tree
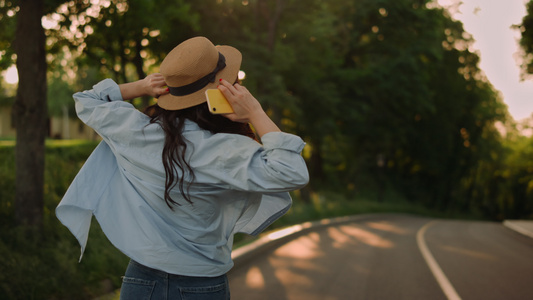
pixel 26 47
pixel 413 94
pixel 526 40
pixel 122 39
pixel 366 80
pixel 289 59
pixel 8 10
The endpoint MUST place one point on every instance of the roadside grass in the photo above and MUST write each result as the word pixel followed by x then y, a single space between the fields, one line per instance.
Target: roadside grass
pixel 48 267
pixel 326 204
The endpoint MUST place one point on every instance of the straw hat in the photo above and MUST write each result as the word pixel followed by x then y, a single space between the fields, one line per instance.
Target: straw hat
pixel 193 67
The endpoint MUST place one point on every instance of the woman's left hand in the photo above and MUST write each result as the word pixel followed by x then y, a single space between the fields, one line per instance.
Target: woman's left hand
pixel 241 100
pixel 246 109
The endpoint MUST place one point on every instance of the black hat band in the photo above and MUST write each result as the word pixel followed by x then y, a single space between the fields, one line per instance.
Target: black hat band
pixel 200 83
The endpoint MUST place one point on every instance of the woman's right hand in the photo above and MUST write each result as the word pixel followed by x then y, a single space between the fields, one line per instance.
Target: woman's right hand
pixel 246 109
pixel 241 100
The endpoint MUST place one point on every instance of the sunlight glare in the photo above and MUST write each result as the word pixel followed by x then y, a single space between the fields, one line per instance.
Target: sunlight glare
pixel 304 247
pixel 339 238
pixel 367 237
pixel 11 75
pixel 47 24
pixel 384 226
pixel 254 278
pixel 497 43
pixel 292 278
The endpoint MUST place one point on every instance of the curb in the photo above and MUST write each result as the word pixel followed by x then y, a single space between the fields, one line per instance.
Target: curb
pixel 522 227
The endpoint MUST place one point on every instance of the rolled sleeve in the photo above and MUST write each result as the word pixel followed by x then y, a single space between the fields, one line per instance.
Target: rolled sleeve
pixel 93 105
pixel 276 166
pixel 106 90
pixel 103 110
pixel 284 141
pixel 283 165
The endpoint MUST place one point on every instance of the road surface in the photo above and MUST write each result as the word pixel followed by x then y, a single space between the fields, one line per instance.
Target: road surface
pixel 392 256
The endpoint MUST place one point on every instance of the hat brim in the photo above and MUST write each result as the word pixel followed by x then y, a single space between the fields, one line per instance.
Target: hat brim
pixel 229 73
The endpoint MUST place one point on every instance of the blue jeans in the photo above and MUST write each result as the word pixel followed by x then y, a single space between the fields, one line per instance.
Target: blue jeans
pixel 141 282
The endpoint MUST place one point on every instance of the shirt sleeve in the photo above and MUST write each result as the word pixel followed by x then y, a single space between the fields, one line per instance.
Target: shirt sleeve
pixel 280 162
pixel 104 110
pixel 243 164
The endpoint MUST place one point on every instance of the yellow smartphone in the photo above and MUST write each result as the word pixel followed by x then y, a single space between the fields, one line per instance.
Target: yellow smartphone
pixel 217 103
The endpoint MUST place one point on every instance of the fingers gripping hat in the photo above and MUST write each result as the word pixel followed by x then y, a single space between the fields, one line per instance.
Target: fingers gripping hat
pixel 194 66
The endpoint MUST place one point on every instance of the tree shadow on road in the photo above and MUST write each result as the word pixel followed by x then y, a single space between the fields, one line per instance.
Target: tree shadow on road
pixel 335 262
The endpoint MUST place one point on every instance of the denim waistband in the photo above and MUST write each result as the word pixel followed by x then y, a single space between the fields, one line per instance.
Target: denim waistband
pixel 162 274
pixel 144 282
pixel 154 272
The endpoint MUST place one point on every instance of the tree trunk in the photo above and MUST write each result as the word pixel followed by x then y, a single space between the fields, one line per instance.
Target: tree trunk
pixel 30 114
pixel 273 22
pixel 272 17
pixel 316 162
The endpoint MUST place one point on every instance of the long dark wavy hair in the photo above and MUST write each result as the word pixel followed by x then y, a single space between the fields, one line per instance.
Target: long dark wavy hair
pixel 172 122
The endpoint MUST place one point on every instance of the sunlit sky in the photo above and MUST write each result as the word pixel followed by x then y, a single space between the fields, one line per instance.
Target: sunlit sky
pixel 490 21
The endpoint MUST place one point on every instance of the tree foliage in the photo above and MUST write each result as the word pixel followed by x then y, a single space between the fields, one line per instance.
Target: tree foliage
pixel 526 40
pixel 386 93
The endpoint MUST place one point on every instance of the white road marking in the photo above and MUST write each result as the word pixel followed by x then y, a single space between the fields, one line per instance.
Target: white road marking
pixel 444 283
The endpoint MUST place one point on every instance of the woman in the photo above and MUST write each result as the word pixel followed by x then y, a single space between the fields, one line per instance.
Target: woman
pixel 171 186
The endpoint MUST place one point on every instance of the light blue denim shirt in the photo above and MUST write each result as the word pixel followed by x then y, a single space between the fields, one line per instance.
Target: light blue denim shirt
pixel 240 186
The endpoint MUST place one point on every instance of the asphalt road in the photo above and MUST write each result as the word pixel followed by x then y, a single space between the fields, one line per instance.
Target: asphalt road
pixel 383 257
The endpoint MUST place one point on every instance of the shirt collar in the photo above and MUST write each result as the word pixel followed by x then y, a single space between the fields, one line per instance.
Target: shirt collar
pixel 190 126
